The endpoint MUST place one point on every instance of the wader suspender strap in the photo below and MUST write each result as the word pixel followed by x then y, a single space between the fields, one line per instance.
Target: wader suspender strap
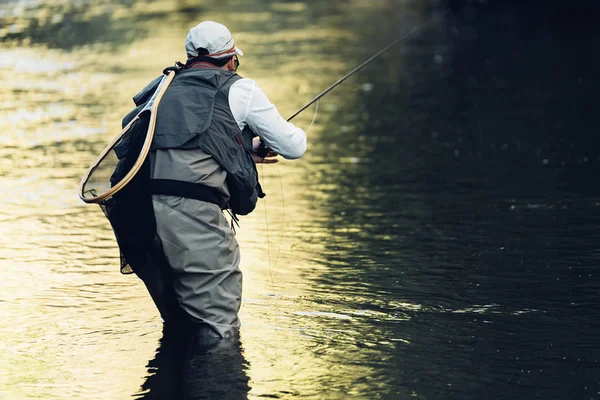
pixel 196 191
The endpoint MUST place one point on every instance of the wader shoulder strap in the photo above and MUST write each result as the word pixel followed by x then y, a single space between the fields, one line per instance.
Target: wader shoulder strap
pixel 196 191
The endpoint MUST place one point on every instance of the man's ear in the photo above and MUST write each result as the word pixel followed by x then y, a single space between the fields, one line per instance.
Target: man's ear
pixel 230 65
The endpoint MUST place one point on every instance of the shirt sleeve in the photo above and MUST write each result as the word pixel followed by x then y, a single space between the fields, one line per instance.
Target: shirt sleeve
pixel 250 106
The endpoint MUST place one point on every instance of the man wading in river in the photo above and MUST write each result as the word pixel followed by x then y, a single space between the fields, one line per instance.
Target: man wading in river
pixel 199 166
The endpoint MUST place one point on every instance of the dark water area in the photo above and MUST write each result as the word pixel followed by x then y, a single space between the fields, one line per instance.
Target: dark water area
pixel 439 240
pixel 474 194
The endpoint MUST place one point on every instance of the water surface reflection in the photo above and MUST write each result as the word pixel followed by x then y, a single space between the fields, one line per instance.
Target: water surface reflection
pixel 185 369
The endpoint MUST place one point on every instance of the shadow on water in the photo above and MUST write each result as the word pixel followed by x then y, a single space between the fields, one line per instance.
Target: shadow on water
pixel 188 370
pixel 460 189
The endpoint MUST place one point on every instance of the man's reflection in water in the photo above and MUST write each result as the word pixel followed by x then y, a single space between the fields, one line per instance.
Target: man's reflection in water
pixel 199 367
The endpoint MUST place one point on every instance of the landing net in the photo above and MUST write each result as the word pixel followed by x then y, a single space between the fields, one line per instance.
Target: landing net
pixel 107 175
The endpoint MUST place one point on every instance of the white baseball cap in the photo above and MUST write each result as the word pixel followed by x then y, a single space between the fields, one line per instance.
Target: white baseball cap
pixel 213 37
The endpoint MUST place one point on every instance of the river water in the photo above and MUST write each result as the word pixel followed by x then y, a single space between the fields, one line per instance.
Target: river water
pixel 439 240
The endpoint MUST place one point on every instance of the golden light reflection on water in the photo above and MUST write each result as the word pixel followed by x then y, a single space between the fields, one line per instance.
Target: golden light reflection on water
pixel 71 325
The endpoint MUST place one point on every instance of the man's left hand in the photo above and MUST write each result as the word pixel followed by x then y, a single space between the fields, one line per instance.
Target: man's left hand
pixel 267 159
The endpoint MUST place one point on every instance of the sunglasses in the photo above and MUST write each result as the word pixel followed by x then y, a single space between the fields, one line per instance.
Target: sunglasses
pixel 236 63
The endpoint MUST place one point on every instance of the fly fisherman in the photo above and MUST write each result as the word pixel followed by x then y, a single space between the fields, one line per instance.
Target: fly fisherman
pixel 209 126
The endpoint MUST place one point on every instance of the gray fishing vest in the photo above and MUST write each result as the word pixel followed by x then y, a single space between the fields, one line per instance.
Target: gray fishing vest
pixel 194 113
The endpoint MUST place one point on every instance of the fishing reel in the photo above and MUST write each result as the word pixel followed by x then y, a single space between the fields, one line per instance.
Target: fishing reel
pixel 262 150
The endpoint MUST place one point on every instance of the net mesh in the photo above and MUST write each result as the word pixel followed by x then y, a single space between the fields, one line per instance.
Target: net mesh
pixel 99 179
pixel 125 267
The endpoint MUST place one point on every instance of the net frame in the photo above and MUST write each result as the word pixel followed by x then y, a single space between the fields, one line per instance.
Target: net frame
pixel 99 198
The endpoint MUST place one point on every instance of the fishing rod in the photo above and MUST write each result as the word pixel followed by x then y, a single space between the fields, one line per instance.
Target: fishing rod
pixel 355 70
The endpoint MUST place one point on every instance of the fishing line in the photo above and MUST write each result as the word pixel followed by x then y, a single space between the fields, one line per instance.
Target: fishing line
pixel 282 210
pixel 267 230
pixel 282 194
pixel 314 117
pixel 282 215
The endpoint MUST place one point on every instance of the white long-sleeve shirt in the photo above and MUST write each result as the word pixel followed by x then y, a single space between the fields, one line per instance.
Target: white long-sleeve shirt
pixel 250 106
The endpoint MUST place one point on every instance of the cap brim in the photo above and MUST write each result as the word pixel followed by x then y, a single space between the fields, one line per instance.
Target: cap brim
pixel 239 51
